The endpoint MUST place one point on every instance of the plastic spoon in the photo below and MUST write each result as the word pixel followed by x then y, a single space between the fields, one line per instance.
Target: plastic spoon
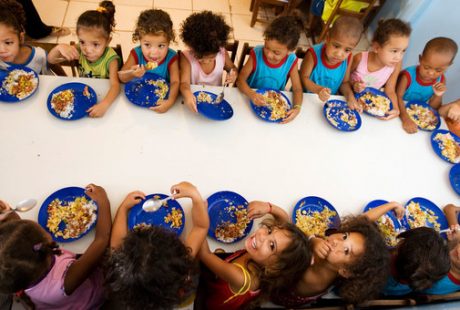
pixel 152 204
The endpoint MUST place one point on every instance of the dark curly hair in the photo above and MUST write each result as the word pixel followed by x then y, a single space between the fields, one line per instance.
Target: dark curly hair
pixel 24 254
pixel 286 30
pixel 205 33
pixel 151 270
pixel 103 18
pixel 12 14
pixel 154 22
pixel 441 45
pixel 422 257
pixel 390 27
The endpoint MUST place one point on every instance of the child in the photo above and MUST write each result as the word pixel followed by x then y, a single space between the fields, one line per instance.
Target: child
pixel 154 30
pixel 52 278
pixel 451 113
pixel 206 58
pixel 426 82
pixel 96 59
pixel 380 67
pixel 326 67
pixel 151 266
pixel 271 65
pixel 13 51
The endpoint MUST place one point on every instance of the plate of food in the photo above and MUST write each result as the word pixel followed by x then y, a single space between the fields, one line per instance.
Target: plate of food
pixel 70 101
pixel 170 215
pixel 207 106
pixel 147 90
pixel 68 214
pixel 446 145
pixel 340 116
pixel 389 225
pixel 421 212
pixel 17 84
pixel 454 178
pixel 276 105
pixel 423 115
pixel 228 214
pixel 375 102
pixel 314 215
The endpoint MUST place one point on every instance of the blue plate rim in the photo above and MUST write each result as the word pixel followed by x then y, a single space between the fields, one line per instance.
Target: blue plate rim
pixel 358 117
pixel 435 144
pixel 151 76
pixel 375 91
pixel 297 206
pixel 17 100
pixel 225 102
pixel 426 105
pixel 262 91
pixel 438 212
pixel 451 177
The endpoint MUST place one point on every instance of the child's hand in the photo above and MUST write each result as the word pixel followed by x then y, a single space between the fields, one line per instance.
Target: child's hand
pixel 358 86
pixel 398 209
pixel 324 94
pixel 98 110
pixel 138 71
pixel 190 102
pixel 132 199
pixel 454 233
pixel 321 247
pixel 231 76
pixel 69 52
pixel 409 126
pixel 354 104
pixel 185 189
pixel 5 211
pixel 291 114
pixel 258 99
pixel 439 89
pixel 258 209
pixel 96 193
pixel 162 106
pixel 454 113
pixel 390 115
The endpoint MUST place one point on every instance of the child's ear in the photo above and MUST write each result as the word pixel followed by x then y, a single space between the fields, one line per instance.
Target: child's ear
pixel 375 46
pixel 344 273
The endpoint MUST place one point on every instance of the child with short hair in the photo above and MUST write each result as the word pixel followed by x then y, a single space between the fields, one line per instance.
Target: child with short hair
pixel 96 59
pixel 53 278
pixel 426 82
pixel 272 65
pixel 380 66
pixel 151 265
pixel 154 30
pixel 326 67
pixel 206 58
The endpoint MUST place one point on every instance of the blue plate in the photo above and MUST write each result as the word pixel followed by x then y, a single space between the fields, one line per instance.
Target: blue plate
pixel 437 145
pixel 138 216
pixel 368 102
pixel 264 112
pixel 454 177
pixel 416 119
pixel 81 102
pixel 221 209
pixel 66 195
pixel 215 111
pixel 333 111
pixel 4 95
pixel 142 92
pixel 310 204
pixel 427 206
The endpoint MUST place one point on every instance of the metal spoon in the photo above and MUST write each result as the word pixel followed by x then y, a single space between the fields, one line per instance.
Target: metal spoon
pixel 152 204
pixel 221 95
pixel 23 206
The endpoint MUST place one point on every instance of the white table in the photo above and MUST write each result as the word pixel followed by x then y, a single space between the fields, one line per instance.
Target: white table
pixel 134 148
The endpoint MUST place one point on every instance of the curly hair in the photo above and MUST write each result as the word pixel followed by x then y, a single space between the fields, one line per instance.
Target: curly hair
pixel 286 30
pixel 422 257
pixel 369 272
pixel 390 27
pixel 24 254
pixel 156 22
pixel 205 33
pixel 102 18
pixel 12 14
pixel 441 45
pixel 151 270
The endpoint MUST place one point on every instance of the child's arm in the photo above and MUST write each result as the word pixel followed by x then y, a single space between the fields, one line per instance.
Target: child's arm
pixel 347 92
pixel 243 86
pixel 357 86
pixel 451 212
pixel 185 74
pixel 174 80
pixel 408 125
pixel 258 209
pixel 6 214
pixel 306 69
pixel 62 51
pixel 126 75
pixel 390 90
pixel 451 110
pixel 375 213
pixel 232 70
pixel 99 109
pixel 79 271
pixel 439 89
pixel 297 93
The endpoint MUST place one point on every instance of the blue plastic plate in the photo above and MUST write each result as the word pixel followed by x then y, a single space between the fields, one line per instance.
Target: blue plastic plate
pixel 215 111
pixel 333 110
pixel 264 112
pixel 66 195
pixel 221 209
pixel 138 216
pixel 307 206
pixel 454 177
pixel 81 102
pixel 4 95
pixel 415 118
pixel 427 206
pixel 368 103
pixel 437 145
pixel 142 92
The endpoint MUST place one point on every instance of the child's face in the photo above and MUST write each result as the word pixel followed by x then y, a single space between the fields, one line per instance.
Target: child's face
pixel 345 248
pixel 264 245
pixel 338 49
pixel 10 43
pixel 92 42
pixel 154 47
pixel 433 65
pixel 275 51
pixel 392 52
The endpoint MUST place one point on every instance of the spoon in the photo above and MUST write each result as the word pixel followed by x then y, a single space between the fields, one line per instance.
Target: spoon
pixel 152 204
pixel 445 231
pixel 23 206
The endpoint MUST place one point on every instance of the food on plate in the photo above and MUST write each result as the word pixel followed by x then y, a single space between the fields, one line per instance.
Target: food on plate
pixel 314 222
pixel 151 65
pixel 20 83
pixel 141 226
pixel 63 103
pixel 162 88
pixel 388 230
pixel 204 97
pixel 449 147
pixel 422 116
pixel 375 104
pixel 343 113
pixel 86 92
pixel 418 216
pixel 277 105
pixel 174 217
pixel 227 231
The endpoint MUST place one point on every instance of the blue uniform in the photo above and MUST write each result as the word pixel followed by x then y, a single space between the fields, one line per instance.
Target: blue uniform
pixel 448 284
pixel 267 75
pixel 163 67
pixel 395 288
pixel 416 88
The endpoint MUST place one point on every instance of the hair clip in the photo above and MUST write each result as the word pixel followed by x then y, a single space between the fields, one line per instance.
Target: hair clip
pixel 101 9
pixel 37 247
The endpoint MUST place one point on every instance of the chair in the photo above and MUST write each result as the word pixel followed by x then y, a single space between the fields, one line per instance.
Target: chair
pixel 232 48
pixel 255 5
pixel 440 298
pixel 55 68
pixel 244 53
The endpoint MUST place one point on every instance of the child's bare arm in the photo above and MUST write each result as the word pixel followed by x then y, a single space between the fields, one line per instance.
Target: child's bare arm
pixel 408 125
pixel 258 209
pixel 357 86
pixel 297 93
pixel 62 51
pixel 130 64
pixel 99 109
pixel 436 100
pixel 306 69
pixel 451 110
pixel 232 70
pixel 451 212
pixel 348 93
pixel 79 271
pixel 174 80
pixel 375 213
pixel 185 81
pixel 243 86
pixel 390 90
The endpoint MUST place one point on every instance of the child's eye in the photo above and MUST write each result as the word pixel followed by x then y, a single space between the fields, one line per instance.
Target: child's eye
pixel 162 45
pixel 146 44
pixel 348 50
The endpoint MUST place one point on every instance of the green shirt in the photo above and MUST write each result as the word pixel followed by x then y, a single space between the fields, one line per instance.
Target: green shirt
pixel 98 69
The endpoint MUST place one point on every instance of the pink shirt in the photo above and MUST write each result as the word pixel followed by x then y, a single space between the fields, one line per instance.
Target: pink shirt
pixel 199 77
pixel 49 292
pixel 375 79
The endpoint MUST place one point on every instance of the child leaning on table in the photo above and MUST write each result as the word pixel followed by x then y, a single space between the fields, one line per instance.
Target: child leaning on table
pixel 426 82
pixel 380 66
pixel 32 263
pixel 206 58
pixel 151 265
pixel 451 113
pixel 154 31
pixel 14 51
pixel 271 65
pixel 96 59
pixel 326 67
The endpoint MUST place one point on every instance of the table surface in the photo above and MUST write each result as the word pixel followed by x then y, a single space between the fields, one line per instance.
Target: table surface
pixel 134 148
